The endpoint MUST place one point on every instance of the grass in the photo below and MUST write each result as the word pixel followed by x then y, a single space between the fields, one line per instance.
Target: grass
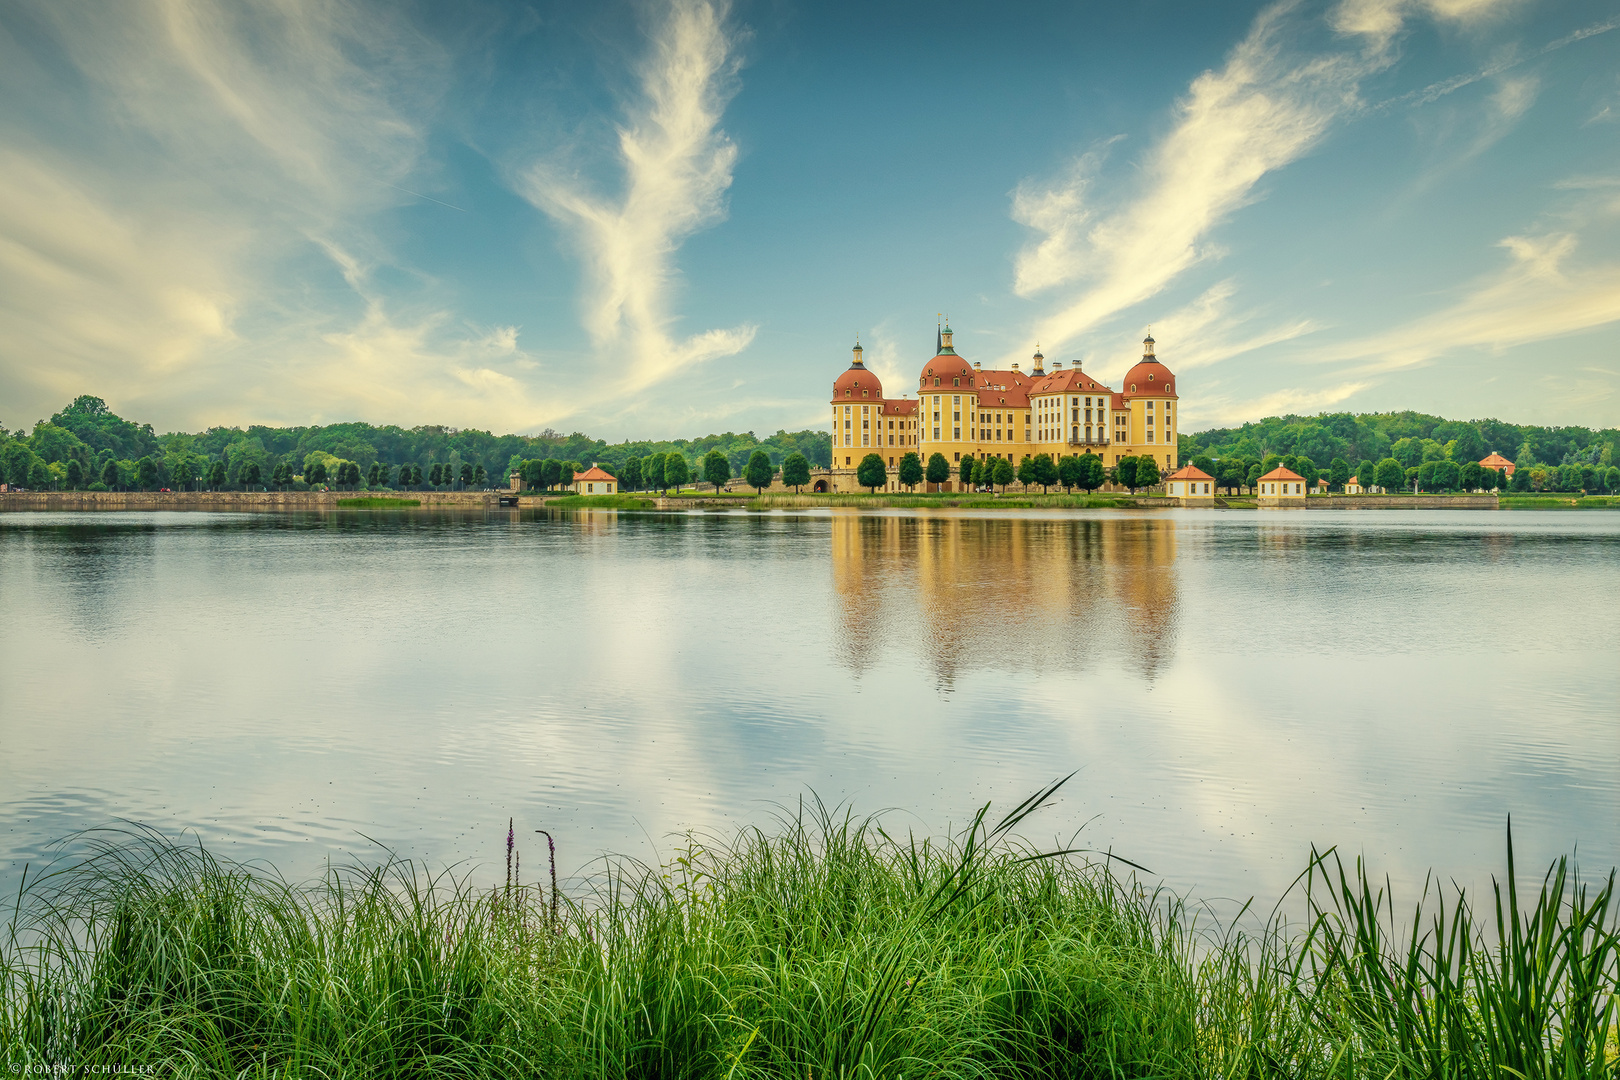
pixel 601 502
pixel 378 502
pixel 825 947
pixel 1560 502
pixel 781 501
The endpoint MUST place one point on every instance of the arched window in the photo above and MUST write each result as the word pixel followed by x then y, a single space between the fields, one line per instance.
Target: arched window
pixel 936 380
pixel 1133 388
pixel 956 382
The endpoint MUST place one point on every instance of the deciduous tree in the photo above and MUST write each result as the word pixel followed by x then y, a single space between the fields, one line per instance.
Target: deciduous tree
pixel 911 470
pixel 1092 474
pixel 1391 475
pixel 964 469
pixel 795 470
pixel 1125 473
pixel 1002 473
pixel 1147 471
pixel 872 473
pixel 676 471
pixel 759 472
pixel 1044 471
pixel 716 469
pixel 939 470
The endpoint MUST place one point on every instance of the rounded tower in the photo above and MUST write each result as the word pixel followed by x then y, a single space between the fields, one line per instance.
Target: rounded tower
pixel 1150 397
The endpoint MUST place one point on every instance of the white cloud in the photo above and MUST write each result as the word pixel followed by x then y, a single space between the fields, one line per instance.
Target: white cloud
pixel 1225 411
pixel 1263 109
pixel 1269 105
pixel 677 168
pixel 1539 295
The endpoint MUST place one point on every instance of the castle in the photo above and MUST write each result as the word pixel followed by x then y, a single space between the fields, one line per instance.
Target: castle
pixel 962 408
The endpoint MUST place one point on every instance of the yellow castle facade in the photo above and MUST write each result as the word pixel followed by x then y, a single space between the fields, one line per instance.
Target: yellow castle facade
pixel 962 408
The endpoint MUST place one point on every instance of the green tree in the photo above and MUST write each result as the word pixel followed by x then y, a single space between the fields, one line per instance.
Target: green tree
pixel 964 469
pixel 39 474
pixel 716 469
pixel 911 470
pixel 1045 472
pixel 1204 462
pixel 652 472
pixel 796 470
pixel 146 473
pixel 565 472
pixel 1390 475
pixel 630 474
pixel 676 471
pixel 1470 476
pixel 1367 475
pixel 75 475
pixel 1231 475
pixel 871 473
pixel 250 473
pixel 1147 471
pixel 1026 472
pixel 435 474
pixel 467 475
pixel 1611 478
pixel 1069 468
pixel 1002 473
pixel 1252 477
pixel 759 472
pixel 1338 473
pixel 1125 473
pixel 939 470
pixel 1092 473
pixel 551 470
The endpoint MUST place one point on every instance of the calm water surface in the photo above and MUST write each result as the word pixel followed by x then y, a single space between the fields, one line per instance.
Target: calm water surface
pixel 1232 687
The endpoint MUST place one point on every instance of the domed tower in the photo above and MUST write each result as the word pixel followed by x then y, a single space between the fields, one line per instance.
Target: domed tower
pixel 857 405
pixel 947 396
pixel 1150 397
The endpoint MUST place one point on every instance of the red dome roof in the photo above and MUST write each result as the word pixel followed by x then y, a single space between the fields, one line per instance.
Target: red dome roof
pixel 1149 378
pixel 946 366
pixel 856 379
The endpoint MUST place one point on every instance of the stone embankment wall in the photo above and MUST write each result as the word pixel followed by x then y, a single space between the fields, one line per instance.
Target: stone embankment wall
pixel 231 500
pixel 1401 502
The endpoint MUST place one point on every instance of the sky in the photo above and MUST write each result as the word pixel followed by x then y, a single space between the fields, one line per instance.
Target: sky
pixel 661 219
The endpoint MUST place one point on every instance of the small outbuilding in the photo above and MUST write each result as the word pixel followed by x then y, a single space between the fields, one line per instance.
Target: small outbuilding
pixel 1192 485
pixel 1281 486
pixel 1496 463
pixel 594 481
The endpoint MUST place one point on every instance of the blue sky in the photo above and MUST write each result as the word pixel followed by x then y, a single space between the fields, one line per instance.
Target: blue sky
pixel 659 219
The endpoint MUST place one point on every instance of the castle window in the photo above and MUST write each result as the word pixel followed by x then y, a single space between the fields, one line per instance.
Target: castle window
pixel 1133 388
pixel 866 393
pixel 1150 376
pixel 936 380
pixel 956 382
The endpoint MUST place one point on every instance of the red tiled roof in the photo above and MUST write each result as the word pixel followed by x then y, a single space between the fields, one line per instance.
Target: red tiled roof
pixel 944 366
pixel 1137 383
pixel 1282 472
pixel 903 407
pixel 594 473
pixel 857 378
pixel 1497 461
pixel 1073 381
pixel 1189 472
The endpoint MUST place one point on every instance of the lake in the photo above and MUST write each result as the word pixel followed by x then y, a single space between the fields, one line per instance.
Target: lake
pixel 1232 687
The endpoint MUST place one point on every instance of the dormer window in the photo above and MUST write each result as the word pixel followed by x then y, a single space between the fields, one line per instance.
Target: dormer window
pixel 1150 376
pixel 936 380
pixel 849 393
pixel 956 382
pixel 1133 388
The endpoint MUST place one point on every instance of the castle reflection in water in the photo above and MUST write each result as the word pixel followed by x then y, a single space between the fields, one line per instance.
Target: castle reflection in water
pixel 961 592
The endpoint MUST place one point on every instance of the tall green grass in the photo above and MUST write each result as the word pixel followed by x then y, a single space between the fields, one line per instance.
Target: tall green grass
pixel 967 501
pixel 824 947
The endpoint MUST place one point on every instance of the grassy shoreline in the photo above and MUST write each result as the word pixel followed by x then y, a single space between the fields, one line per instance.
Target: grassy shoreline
pixel 823 948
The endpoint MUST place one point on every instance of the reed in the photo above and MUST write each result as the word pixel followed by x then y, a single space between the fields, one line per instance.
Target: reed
pixel 822 946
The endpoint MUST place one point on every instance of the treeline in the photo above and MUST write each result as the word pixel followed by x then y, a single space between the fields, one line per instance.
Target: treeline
pixel 87 446
pixel 1412 440
pixel 1437 470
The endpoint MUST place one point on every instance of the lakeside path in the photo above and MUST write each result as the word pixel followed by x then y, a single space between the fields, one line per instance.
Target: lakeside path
pixel 303 501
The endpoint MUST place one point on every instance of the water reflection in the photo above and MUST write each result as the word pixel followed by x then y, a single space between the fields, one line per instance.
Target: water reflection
pixel 1026 593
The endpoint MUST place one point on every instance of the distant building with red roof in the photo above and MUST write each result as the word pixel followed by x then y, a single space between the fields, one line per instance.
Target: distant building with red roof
pixel 594 481
pixel 1496 463
pixel 1191 485
pixel 1281 486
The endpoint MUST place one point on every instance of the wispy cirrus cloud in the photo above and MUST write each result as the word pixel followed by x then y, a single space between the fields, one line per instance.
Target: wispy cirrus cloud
pixel 1271 103
pixel 1541 293
pixel 677 167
